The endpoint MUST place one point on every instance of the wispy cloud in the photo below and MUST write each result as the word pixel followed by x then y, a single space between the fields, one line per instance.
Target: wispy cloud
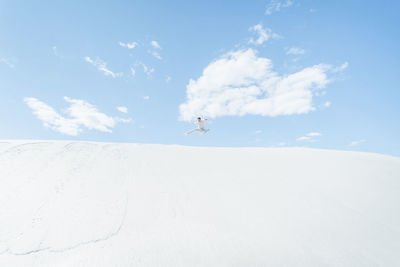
pixel 51 118
pixel 258 132
pixel 313 134
pixel 55 52
pixel 123 109
pixel 295 51
pixel 128 45
pixel 263 35
pixel 147 70
pixel 241 83
pixel 123 120
pixel 146 97
pixel 7 62
pixel 168 79
pixel 327 104
pixel 356 143
pixel 276 6
pixel 102 66
pixel 341 67
pixel 155 44
pixel 133 71
pixel 79 114
pixel 155 54
pixel 310 137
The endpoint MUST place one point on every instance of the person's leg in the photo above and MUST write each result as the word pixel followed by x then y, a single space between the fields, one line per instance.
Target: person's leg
pixel 192 131
pixel 203 131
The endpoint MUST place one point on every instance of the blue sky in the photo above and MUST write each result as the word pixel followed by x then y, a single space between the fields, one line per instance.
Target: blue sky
pixel 266 73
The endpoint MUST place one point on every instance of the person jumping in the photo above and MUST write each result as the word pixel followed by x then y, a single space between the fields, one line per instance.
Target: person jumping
pixel 201 126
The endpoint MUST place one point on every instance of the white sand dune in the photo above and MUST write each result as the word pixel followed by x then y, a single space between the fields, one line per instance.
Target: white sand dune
pixel 103 204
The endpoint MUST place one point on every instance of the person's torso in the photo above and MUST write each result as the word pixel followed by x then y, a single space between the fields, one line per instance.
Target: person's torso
pixel 200 123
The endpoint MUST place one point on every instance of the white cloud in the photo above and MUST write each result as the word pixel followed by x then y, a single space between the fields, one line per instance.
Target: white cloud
pixel 295 51
pixel 276 6
pixel 309 137
pixel 146 97
pixel 264 34
pixel 123 109
pixel 327 104
pixel 133 72
pixel 322 93
pixel 241 83
pixel 147 70
pixel 55 52
pixel 341 67
pixel 168 79
pixel 303 138
pixel 86 114
pixel 102 66
pixel 51 118
pixel 155 44
pixel 128 45
pixel 356 143
pixel 80 114
pixel 118 119
pixel 313 134
pixel 155 54
pixel 7 62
